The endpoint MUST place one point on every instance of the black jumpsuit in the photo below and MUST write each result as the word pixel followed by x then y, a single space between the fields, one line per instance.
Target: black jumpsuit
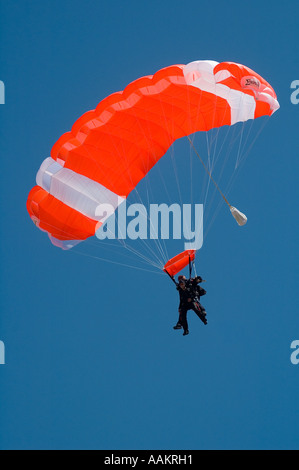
pixel 197 291
pixel 190 293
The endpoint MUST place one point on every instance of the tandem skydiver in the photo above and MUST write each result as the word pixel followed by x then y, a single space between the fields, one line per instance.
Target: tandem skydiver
pixel 190 293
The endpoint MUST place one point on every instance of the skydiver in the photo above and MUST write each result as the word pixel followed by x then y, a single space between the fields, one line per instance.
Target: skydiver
pixel 198 292
pixel 185 299
pixel 188 301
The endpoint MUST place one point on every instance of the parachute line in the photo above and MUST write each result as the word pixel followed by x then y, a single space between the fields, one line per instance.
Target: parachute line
pixel 208 172
pixel 119 264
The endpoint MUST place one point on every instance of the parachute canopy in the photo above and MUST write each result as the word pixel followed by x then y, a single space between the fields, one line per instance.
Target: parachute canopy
pixel 110 149
pixel 179 262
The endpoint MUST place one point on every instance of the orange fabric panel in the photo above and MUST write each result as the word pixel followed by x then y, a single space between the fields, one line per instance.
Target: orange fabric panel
pixel 60 220
pixel 179 262
pixel 262 109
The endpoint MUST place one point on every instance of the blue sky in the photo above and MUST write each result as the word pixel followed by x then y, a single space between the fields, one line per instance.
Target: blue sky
pixel 92 361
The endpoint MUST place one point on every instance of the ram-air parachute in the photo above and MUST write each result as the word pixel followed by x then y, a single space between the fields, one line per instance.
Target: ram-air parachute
pixel 112 148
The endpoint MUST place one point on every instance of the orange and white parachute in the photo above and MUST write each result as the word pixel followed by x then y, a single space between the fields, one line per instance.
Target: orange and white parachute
pixel 110 149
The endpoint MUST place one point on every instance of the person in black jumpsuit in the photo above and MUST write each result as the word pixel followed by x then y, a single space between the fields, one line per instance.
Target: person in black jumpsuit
pixel 198 292
pixel 190 293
